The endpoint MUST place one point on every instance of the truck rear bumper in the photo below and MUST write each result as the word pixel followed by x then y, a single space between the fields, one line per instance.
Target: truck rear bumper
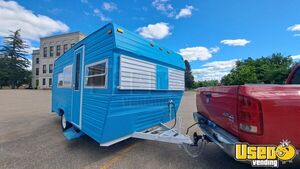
pixel 216 134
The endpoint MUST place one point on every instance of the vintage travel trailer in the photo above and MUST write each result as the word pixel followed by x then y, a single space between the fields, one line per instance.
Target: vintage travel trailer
pixel 114 83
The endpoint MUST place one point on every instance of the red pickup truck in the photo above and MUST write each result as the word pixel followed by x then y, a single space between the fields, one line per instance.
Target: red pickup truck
pixel 256 114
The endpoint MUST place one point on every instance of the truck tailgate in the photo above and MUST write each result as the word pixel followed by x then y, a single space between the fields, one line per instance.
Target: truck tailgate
pixel 219 104
pixel 279 107
pixel 281 113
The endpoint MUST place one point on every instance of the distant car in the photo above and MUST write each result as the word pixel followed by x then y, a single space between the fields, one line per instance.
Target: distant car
pixel 256 114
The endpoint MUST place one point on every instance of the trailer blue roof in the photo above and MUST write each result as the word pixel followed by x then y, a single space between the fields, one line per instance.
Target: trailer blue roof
pixel 132 42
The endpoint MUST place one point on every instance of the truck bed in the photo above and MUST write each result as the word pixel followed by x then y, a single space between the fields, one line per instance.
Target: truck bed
pixel 276 107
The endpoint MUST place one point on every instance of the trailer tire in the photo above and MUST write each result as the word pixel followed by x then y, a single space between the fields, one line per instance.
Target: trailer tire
pixel 64 123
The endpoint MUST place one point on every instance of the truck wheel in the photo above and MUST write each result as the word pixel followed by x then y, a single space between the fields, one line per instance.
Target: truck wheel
pixel 64 123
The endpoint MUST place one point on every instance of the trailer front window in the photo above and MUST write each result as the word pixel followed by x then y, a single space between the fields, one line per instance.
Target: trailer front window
pixel 96 74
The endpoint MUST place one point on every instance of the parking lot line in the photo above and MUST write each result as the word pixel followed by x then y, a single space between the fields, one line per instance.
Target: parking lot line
pixel 117 157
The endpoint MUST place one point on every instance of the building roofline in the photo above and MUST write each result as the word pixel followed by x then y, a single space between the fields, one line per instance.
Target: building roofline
pixel 61 35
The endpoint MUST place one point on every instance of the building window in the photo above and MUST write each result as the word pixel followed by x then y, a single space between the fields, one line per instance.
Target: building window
pixel 58 50
pixel 50 81
pixel 50 68
pixel 51 51
pixel 37 83
pixel 96 74
pixel 65 47
pixel 44 69
pixel 72 44
pixel 37 60
pixel 45 51
pixel 37 71
pixel 44 82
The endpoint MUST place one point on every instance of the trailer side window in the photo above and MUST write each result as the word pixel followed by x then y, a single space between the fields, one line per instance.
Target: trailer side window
pixel 67 76
pixel 296 77
pixel 96 74
pixel 60 80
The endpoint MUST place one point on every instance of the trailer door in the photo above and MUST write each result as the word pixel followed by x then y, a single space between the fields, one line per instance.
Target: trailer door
pixel 77 86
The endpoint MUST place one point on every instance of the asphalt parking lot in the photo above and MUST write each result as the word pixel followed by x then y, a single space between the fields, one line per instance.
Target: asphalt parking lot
pixel 31 137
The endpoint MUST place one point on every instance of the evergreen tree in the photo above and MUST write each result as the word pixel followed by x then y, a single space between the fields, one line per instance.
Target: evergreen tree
pixel 189 78
pixel 13 61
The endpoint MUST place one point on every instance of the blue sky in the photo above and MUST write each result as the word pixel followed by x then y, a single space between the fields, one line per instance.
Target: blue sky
pixel 211 34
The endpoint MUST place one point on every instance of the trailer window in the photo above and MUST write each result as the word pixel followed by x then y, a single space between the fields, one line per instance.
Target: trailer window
pixel 137 74
pixel 296 77
pixel 176 79
pixel 60 80
pixel 96 74
pixel 67 76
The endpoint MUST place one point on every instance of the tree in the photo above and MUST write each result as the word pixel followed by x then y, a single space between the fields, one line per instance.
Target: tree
pixel 4 72
pixel 206 83
pixel 13 61
pixel 189 78
pixel 273 69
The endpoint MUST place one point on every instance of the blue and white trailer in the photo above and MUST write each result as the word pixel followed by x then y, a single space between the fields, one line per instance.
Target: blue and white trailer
pixel 114 84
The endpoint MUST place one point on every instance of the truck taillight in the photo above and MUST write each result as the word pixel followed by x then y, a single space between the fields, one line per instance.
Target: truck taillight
pixel 250 115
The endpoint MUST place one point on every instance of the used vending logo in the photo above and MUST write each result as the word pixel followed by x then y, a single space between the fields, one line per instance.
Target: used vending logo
pixel 265 155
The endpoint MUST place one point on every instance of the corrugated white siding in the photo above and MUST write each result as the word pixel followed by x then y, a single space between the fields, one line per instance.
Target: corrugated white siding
pixel 176 79
pixel 137 74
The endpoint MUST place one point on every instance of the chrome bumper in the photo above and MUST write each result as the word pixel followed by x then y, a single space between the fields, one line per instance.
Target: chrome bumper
pixel 216 134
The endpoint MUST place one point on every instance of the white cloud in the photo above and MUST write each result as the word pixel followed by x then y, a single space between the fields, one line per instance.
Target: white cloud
pixel 294 28
pixel 33 26
pixel 235 42
pixel 30 47
pixel 109 6
pixel 155 31
pixel 214 70
pixel 99 14
pixel 164 6
pixel 295 57
pixel 185 12
pixel 198 53
pixel 30 65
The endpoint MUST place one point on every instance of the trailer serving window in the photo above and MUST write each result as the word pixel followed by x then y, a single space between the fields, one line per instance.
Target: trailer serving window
pixel 137 74
pixel 96 75
pixel 176 79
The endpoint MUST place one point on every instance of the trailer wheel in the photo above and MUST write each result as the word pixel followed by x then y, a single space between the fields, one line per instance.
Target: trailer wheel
pixel 64 123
